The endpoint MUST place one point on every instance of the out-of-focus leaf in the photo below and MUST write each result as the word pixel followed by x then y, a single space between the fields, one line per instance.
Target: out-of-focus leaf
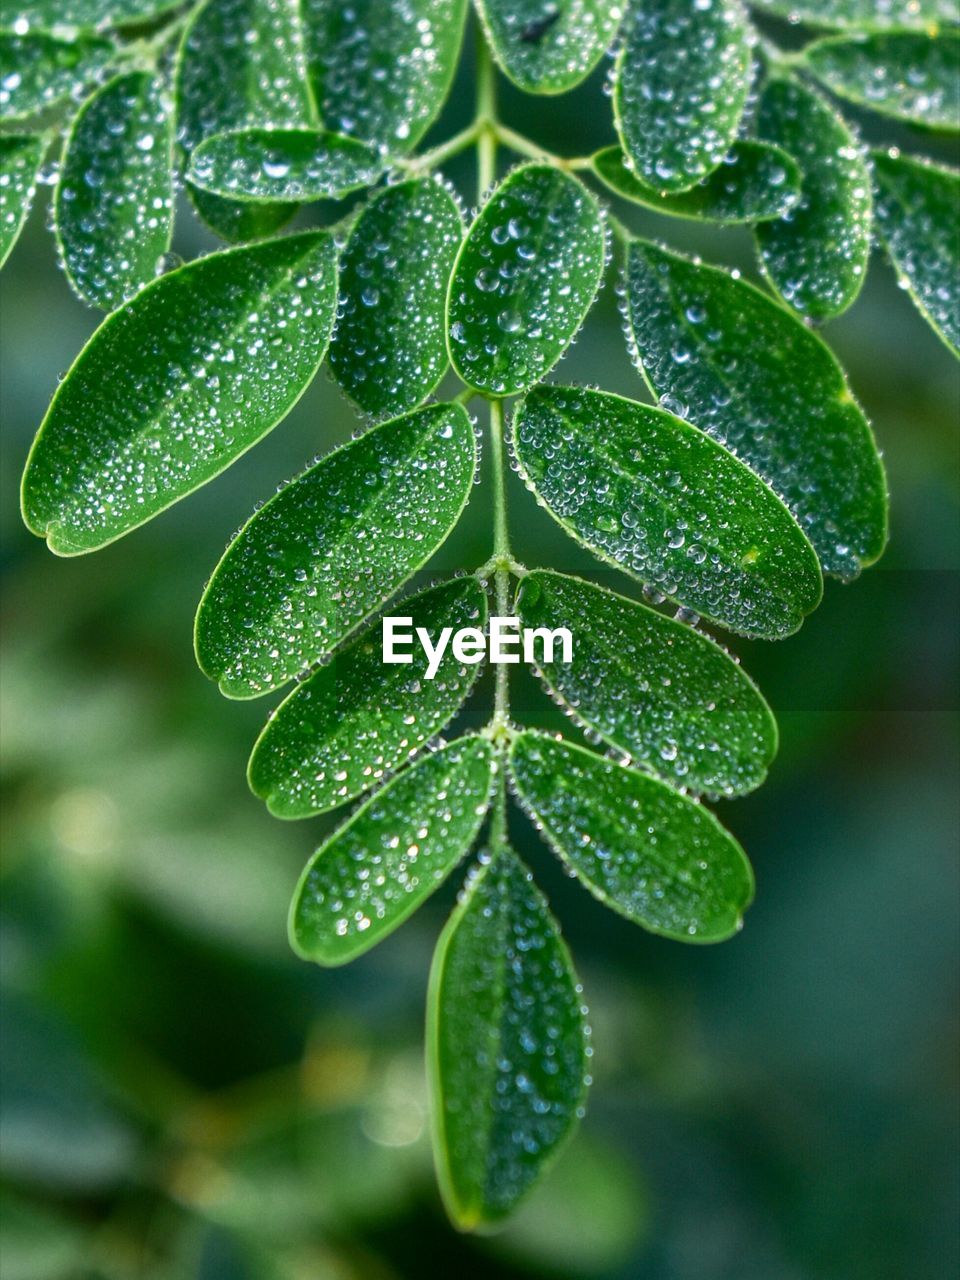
pixel 648 492
pixel 545 47
pixel 283 164
pixel 38 71
pixel 526 276
pixel 21 155
pixel 863 15
pixel 719 352
pixel 391 854
pixel 172 388
pixel 37 1244
pixel 331 547
pixel 506 1044
pixel 90 15
pixel 655 856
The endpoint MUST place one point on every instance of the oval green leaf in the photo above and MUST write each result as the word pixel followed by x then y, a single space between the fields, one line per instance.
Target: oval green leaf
pixel 174 387
pixel 718 351
pixel 85 15
pixel 39 70
pixel 392 854
pixel 653 855
pixel 283 165
pixel 863 15
pixel 526 276
pixel 506 1044
pixel 331 547
pixel 21 155
pixel 654 495
pixel 546 47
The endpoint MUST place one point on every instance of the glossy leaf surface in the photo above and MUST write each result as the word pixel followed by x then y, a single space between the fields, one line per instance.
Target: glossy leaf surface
pixel 91 15
pixel 863 15
pixel 283 164
pixel 39 70
pixel 546 47
pixel 21 155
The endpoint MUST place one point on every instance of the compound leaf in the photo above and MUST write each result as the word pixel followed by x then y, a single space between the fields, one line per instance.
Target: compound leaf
pixel 331 547
pixel 654 495
pixel 21 155
pixel 392 854
pixel 655 856
pixel 863 15
pixel 545 47
pixel 89 15
pixel 175 385
pixel 283 164
pixel 506 1044
pixel 39 70
pixel 526 276
pixel 721 353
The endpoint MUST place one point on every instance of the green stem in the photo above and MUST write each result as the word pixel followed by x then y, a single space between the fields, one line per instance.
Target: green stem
pixel 486 120
pixel 445 151
pixel 502 562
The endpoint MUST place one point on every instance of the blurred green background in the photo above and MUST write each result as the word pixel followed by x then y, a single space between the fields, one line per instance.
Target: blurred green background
pixel 184 1098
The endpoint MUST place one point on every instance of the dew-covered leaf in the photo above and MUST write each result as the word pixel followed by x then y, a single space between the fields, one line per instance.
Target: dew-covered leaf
pixel 21 155
pixel 114 198
pixel 908 75
pixel 506 1044
pixel 863 15
pixel 390 351
pixel 357 719
pixel 526 276
pixel 239 221
pixel 39 70
pixel 657 497
pixel 331 547
pixel 718 351
pixel 655 856
pixel 392 854
pixel 680 89
pixel 174 386
pixel 89 15
pixel 661 692
pixel 816 257
pixel 283 164
pixel 546 46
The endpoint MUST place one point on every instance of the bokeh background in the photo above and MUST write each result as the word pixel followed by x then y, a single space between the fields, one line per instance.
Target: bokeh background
pixel 182 1097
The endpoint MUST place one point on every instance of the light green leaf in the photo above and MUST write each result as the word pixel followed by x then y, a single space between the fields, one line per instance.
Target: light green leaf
pixel 506 1044
pixel 680 88
pixel 283 164
pixel 863 15
pixel 174 387
pixel 525 279
pixel 21 155
pixel 89 15
pixel 114 198
pixel 661 692
pixel 816 257
pixel 916 213
pixel 755 181
pixel 719 352
pixel 357 719
pixel 392 854
pixel 657 497
pixel 331 547
pixel 390 351
pixel 640 847
pixel 546 47
pixel 38 71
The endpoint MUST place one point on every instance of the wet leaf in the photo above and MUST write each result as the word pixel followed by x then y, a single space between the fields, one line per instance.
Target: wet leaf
pixel 863 15
pixel 114 198
pixel 392 854
pixel 506 1044
pixel 331 547
pixel 90 15
pixel 651 854
pixel 38 71
pixel 174 386
pixel 21 155
pixel 283 164
pixel 239 221
pixel 545 46
pixel 661 692
pixel 390 351
pixel 357 719
pixel 680 88
pixel 719 352
pixel 525 279
pixel 657 497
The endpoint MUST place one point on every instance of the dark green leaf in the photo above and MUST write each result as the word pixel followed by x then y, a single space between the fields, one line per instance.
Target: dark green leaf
pixel 656 689
pixel 175 385
pixel 21 155
pixel 656 496
pixel 526 276
pixel 331 547
pixel 357 719
pixel 506 1044
pixel 239 221
pixel 390 352
pixel 37 71
pixel 548 47
pixel 89 15
pixel 863 15
pixel 719 352
pixel 392 854
pixel 651 854
pixel 283 165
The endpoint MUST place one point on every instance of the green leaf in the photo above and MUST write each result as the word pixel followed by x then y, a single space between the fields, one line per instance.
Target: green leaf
pixel 89 15
pixel 655 856
pixel 506 1044
pixel 719 352
pixel 114 200
pixel 392 854
pixel 656 689
pixel 908 75
pixel 863 15
pixel 239 221
pixel 38 71
pixel 546 47
pixel 526 277
pixel 680 88
pixel 175 386
pixel 357 719
pixel 756 181
pixel 21 155
pixel 657 497
pixel 816 257
pixel 916 214
pixel 390 351
pixel 331 547
pixel 283 165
